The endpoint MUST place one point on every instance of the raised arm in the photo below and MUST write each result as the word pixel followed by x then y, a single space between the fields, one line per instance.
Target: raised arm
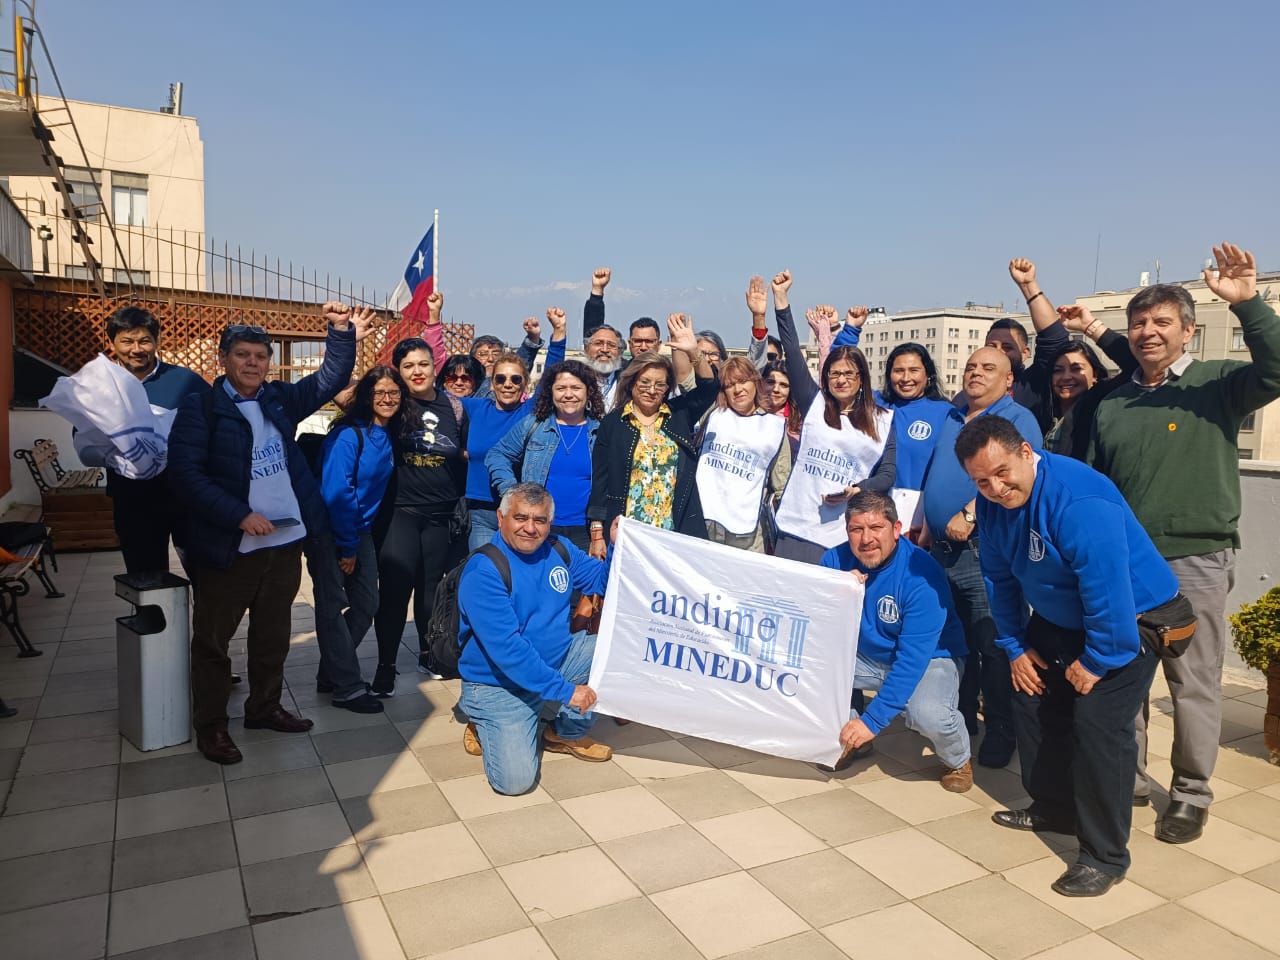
pixel 1078 319
pixel 1236 281
pixel 850 334
pixel 593 309
pixel 532 343
pixel 433 331
pixel 803 387
pixel 680 336
pixel 758 304
pixel 1023 272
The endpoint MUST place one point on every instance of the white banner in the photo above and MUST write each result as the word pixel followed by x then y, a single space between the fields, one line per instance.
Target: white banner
pixel 727 645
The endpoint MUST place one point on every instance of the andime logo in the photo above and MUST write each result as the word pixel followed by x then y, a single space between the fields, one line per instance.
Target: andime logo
pixel 559 579
pixel 887 610
pixel 1035 550
pixel 920 430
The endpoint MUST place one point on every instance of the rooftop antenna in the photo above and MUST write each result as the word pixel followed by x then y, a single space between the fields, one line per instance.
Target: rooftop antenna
pixel 174 105
pixel 1097 256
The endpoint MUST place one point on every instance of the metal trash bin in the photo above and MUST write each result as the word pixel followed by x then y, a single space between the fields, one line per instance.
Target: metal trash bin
pixel 153 659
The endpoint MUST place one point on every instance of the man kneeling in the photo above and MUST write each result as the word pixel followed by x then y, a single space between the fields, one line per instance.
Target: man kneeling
pixel 910 643
pixel 518 653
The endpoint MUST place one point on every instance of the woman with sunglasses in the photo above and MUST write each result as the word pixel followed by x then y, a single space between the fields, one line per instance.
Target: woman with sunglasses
pixel 461 375
pixel 491 417
pixel 645 460
pixel 552 445
pixel 846 442
pixel 357 463
pixel 744 459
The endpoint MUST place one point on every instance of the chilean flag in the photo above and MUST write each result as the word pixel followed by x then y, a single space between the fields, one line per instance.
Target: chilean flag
pixel 410 294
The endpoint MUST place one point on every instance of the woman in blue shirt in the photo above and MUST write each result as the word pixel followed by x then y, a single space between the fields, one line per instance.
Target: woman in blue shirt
pixel 911 392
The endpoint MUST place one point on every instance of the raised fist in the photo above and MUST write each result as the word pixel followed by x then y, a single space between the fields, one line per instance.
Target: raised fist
pixel 337 313
pixel 600 279
pixel 782 281
pixel 1075 317
pixel 1022 270
pixel 855 317
pixel 435 303
pixel 559 322
pixel 532 329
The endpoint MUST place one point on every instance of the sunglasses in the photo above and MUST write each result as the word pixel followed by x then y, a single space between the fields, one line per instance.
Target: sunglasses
pixel 249 333
pixel 459 376
pixel 502 379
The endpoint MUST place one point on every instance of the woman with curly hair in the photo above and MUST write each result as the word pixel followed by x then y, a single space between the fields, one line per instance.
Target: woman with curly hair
pixel 552 445
pixel 776 398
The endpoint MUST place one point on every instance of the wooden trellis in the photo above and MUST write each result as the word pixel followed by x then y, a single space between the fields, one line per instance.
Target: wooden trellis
pixel 65 323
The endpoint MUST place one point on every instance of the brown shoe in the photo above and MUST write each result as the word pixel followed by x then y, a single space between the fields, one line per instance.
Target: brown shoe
pixel 847 758
pixel 217 745
pixel 958 780
pixel 281 720
pixel 584 749
pixel 471 741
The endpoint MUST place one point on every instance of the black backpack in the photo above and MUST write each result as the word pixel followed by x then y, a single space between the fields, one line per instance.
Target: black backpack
pixel 444 628
pixel 312 447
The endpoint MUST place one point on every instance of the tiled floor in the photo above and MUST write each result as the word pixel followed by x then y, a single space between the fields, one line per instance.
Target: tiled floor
pixel 377 837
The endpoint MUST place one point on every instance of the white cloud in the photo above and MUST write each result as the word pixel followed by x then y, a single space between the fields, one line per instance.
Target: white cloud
pixel 613 293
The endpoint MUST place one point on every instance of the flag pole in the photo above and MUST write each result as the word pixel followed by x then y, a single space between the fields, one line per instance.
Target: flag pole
pixel 435 252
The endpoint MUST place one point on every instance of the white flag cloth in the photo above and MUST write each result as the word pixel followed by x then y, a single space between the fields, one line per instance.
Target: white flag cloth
pixel 726 644
pixel 108 406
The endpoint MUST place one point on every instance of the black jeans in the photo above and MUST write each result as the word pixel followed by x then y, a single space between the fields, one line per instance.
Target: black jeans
pixel 143 512
pixel 413 557
pixel 1078 753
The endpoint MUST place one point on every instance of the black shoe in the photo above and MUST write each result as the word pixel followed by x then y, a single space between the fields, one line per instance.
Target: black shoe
pixel 235 678
pixel 7 711
pixel 384 680
pixel 1082 880
pixel 1027 820
pixel 323 686
pixel 1182 822
pixel 996 749
pixel 427 665
pixel 360 703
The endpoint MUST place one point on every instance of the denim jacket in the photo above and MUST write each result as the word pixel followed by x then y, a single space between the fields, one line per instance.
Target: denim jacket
pixel 524 454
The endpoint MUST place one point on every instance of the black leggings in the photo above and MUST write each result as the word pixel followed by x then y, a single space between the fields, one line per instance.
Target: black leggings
pixel 413 557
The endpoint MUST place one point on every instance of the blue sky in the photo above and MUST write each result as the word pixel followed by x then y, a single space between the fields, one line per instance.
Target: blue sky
pixel 889 154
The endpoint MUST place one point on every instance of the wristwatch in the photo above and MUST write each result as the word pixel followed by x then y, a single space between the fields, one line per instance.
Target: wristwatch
pixel 968 515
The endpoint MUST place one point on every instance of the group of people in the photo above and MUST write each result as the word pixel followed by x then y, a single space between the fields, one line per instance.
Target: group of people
pixel 1028 556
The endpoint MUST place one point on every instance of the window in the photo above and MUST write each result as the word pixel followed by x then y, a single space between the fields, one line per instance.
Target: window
pixel 953 348
pixel 1247 422
pixel 915 334
pixel 952 363
pixel 897 334
pixel 129 199
pixel 973 335
pixel 953 331
pixel 1194 345
pixel 931 332
pixel 1246 453
pixel 142 277
pixel 83 195
pixel 291 360
pixel 77 273
pixel 1237 339
pixel 951 379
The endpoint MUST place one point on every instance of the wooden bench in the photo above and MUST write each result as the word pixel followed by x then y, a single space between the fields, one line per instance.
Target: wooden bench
pixel 31 558
pixel 42 461
pixel 76 509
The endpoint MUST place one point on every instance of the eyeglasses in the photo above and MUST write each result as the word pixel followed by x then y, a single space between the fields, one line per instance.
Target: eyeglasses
pixel 843 375
pixel 458 376
pixel 651 386
pixel 502 379
pixel 711 356
pixel 772 357
pixel 612 345
pixel 386 394
pixel 486 354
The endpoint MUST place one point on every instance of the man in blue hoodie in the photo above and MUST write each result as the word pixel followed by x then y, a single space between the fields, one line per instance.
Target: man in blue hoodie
pixel 518 652
pixel 911 647
pixel 1060 534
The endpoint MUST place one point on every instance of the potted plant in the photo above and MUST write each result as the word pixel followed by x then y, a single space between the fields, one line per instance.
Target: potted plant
pixel 1255 633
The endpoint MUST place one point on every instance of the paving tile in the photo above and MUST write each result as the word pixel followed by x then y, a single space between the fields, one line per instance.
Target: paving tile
pixel 997 848
pixel 350 931
pixel 176 910
pixel 565 780
pixel 1170 870
pixel 397 811
pixel 62 789
pixel 628 735
pixel 14 733
pixel 452 913
pixel 473 797
pixel 1125 899
pixel 28 882
pixel 422 856
pixel 375 741
pixel 1268 876
pixel 903 930
pixel 528 832
pixel 1245 908
pixel 1090 945
pixel 668 858
pixel 273 756
pixel 167 773
pixel 90 701
pixel 171 810
pixel 131 754
pixel 79 682
pixel 566 883
pixel 967 909
pixel 659 760
pixel 997 789
pixel 722 755
pixel 326 718
pixel 754 837
pixel 1232 846
pixel 288 832
pixel 912 863
pixel 526 944
pixel 728 914
pixel 1244 762
pixel 10 759
pixel 358 778
pixel 1253 811
pixel 825 887
pixel 70 930
pixel 634 929
pixel 307 881
pixel 273 792
pixel 448 761
pixel 810 946
pixel 158 857
pixel 916 798
pixel 840 816
pixel 776 780
pixel 233 944
pixel 1171 932
pixel 620 813
pixel 431 731
pixel 27 834
pixel 875 767
pixel 69 755
pixel 700 796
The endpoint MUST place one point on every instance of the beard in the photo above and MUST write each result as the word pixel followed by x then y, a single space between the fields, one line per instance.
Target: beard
pixel 605 367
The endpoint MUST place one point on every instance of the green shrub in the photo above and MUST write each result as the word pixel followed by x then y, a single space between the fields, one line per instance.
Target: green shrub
pixel 1255 630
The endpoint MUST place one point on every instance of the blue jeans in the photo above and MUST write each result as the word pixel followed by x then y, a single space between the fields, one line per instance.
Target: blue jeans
pixel 931 710
pixel 484 524
pixel 338 632
pixel 507 721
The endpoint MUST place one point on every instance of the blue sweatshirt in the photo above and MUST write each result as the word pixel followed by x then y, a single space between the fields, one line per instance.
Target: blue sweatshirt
pixel 489 423
pixel 947 487
pixel 351 507
pixel 916 424
pixel 1079 556
pixel 517 640
pixel 908 619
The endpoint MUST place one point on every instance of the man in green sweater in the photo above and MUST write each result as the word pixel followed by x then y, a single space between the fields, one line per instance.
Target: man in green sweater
pixel 1178 412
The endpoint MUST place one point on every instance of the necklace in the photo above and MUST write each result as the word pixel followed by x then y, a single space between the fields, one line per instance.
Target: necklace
pixel 577 428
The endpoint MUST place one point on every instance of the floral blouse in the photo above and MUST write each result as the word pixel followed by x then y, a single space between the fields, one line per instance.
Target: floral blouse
pixel 652 486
